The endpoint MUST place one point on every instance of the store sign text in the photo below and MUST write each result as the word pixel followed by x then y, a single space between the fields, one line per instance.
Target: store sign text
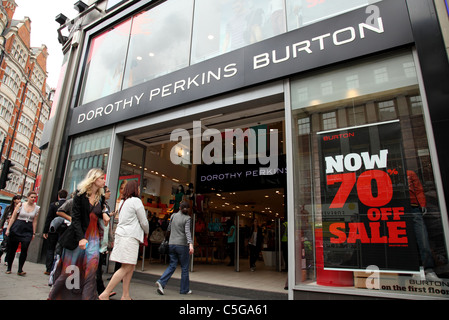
pixel 378 201
pixel 338 38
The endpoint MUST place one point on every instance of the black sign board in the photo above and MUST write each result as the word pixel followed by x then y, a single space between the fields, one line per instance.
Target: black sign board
pixel 366 210
pixel 375 28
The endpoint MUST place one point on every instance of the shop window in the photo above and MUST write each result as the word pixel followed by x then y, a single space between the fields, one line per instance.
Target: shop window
pixel 160 42
pixel 83 158
pixel 225 25
pixel 105 63
pixel 304 12
pixel 349 181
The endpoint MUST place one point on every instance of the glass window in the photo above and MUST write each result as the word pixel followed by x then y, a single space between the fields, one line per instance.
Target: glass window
pixel 365 192
pixel 160 41
pixel 81 158
pixel 303 12
pixel 105 63
pixel 225 25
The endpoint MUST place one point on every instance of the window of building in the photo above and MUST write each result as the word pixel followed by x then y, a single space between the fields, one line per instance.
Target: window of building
pixel 105 63
pixel 12 79
pixel 25 125
pixel 387 110
pixel 225 25
pixel 83 151
pixel 376 159
pixel 6 109
pixel 159 46
pixel 329 120
pixel 19 153
pixel 304 12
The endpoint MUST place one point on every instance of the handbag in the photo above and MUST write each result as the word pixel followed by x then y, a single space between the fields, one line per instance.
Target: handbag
pixel 163 247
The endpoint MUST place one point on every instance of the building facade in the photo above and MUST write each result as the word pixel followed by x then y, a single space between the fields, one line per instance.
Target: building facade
pixel 328 115
pixel 24 101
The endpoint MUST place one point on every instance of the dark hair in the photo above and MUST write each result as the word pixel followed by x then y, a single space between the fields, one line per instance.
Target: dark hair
pixel 184 204
pixel 131 189
pixel 62 194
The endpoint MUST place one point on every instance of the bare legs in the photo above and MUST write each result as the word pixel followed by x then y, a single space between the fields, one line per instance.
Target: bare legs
pixel 125 273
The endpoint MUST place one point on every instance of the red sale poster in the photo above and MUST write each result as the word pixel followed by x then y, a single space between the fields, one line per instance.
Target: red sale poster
pixel 366 213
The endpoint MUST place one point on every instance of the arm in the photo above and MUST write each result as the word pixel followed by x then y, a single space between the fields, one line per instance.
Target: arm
pixel 142 217
pixel 13 218
pixel 35 222
pixel 189 234
pixel 64 215
pixel 65 210
pixel 77 212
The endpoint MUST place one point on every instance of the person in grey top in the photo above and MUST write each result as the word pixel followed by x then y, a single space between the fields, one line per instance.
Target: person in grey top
pixel 180 249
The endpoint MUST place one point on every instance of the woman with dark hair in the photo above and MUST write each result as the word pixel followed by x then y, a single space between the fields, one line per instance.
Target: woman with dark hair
pixel 131 229
pixel 4 222
pixel 21 229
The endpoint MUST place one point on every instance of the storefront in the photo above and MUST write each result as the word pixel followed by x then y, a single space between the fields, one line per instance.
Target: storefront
pixel 317 113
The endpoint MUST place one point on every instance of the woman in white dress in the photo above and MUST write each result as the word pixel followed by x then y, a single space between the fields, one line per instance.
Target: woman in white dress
pixel 131 229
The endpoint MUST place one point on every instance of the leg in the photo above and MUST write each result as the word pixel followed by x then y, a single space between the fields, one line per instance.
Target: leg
pixel 23 255
pixel 184 258
pixel 118 276
pixel 12 248
pixel 422 239
pixel 127 282
pixel 172 266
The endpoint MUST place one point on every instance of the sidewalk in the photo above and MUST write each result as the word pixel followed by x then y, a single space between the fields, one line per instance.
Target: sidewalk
pixel 34 286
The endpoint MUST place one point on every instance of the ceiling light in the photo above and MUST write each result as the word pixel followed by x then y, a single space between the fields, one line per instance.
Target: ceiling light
pixel 211 37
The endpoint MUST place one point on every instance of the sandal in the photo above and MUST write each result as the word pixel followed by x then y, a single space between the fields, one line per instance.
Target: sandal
pixel 8 272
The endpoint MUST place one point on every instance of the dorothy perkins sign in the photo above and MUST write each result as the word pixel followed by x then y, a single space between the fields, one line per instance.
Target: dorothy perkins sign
pixel 364 31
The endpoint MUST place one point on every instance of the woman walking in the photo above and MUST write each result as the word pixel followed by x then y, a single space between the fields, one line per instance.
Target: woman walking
pixel 75 275
pixel 131 229
pixel 255 244
pixel 21 229
pixel 180 249
pixel 4 222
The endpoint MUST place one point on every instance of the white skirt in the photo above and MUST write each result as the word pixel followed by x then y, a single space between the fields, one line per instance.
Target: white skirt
pixel 126 250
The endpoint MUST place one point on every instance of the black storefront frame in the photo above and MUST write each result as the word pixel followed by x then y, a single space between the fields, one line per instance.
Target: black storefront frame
pixel 430 48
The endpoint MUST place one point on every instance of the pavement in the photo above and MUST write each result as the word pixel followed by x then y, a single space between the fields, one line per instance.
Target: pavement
pixel 34 286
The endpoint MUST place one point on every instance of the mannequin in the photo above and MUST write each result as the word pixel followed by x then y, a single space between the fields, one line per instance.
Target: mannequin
pixel 178 198
pixel 191 198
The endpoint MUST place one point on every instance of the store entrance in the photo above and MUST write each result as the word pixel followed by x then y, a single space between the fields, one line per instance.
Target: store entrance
pixel 227 192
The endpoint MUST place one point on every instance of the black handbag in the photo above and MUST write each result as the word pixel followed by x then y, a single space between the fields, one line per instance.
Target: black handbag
pixel 163 247
pixel 68 239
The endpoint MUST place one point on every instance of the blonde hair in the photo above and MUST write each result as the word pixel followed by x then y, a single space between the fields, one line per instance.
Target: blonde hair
pixel 85 186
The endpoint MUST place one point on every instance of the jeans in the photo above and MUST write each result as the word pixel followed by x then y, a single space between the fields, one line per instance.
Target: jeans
pixel 422 239
pixel 181 254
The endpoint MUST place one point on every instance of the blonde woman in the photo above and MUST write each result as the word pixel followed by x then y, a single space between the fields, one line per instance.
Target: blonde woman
pixel 81 242
pixel 21 229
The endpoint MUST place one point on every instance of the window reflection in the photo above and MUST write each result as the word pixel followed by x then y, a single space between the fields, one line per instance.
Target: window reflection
pixel 304 12
pixel 160 42
pixel 105 63
pixel 226 25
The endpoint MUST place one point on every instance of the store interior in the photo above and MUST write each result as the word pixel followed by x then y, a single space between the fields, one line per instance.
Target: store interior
pixel 214 198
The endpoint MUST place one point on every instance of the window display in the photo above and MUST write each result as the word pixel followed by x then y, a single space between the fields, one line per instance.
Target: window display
pixel 366 205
